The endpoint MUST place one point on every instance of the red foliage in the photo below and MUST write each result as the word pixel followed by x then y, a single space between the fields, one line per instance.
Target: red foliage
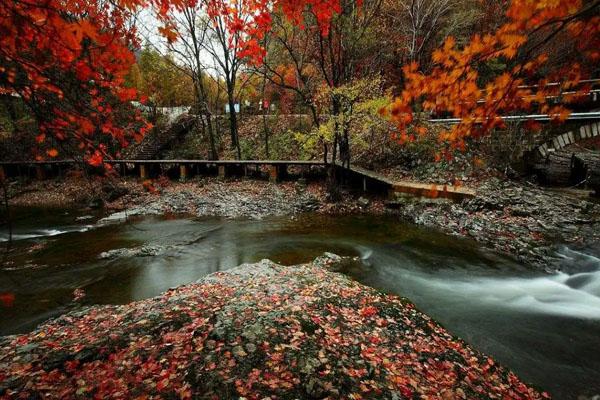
pixel 68 60
pixel 456 87
pixel 193 342
pixel 368 311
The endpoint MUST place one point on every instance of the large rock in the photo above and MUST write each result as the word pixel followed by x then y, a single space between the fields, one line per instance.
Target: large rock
pixel 258 331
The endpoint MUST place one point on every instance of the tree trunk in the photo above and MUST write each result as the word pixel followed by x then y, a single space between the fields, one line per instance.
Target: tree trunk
pixel 335 112
pixel 315 116
pixel 4 185
pixel 264 115
pixel 235 143
pixel 204 110
pixel 211 137
pixel 266 132
pixel 346 147
pixel 332 184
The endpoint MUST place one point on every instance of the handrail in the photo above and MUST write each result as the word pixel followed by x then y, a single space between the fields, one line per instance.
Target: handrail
pixel 593 115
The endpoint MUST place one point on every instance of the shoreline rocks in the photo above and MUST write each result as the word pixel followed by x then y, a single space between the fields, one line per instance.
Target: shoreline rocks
pixel 522 220
pixel 235 199
pixel 525 221
pixel 210 197
pixel 257 331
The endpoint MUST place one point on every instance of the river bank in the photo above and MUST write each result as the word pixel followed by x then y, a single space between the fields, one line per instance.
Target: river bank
pixel 257 331
pixel 229 198
pixel 522 220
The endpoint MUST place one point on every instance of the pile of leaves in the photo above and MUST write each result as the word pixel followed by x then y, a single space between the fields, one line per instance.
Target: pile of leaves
pixel 258 331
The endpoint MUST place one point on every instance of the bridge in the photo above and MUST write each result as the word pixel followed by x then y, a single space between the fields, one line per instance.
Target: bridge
pixel 278 170
pixel 141 161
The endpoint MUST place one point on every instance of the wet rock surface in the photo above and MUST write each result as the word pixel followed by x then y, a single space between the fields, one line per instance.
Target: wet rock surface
pixel 524 220
pixel 140 251
pixel 257 331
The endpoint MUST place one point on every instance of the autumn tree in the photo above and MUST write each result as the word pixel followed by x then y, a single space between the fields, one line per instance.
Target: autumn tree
pixel 224 24
pixel 359 102
pixel 192 34
pixel 289 62
pixel 345 48
pixel 422 21
pixel 68 62
pixel 158 78
pixel 424 24
pixel 461 85
pixel 311 51
pixel 162 81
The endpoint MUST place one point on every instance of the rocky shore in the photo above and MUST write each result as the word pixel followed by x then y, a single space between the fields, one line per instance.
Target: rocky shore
pixel 212 197
pixel 229 198
pixel 516 218
pixel 259 331
pixel 520 219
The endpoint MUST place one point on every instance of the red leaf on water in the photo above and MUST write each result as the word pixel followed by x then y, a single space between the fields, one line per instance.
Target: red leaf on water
pixel 7 299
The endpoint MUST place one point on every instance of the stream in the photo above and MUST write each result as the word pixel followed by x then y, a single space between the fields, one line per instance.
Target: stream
pixel 545 327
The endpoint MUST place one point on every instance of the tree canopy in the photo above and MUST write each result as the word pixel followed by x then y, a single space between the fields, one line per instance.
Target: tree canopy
pixel 532 78
pixel 69 61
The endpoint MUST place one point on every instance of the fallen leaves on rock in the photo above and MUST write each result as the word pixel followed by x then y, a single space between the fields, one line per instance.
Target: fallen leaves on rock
pixel 257 331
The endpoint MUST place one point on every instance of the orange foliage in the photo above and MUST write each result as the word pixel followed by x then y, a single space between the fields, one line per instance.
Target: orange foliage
pixel 90 42
pixel 456 87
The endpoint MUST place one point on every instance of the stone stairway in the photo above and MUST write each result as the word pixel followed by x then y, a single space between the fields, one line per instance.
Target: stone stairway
pixel 586 167
pixel 156 141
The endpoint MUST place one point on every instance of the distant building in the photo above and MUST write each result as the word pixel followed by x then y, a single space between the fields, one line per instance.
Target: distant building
pixel 236 107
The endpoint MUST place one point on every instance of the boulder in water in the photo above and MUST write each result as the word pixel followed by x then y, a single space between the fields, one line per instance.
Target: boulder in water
pixel 258 331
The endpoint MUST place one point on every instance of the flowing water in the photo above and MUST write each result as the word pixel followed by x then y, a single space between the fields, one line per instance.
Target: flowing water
pixel 545 327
